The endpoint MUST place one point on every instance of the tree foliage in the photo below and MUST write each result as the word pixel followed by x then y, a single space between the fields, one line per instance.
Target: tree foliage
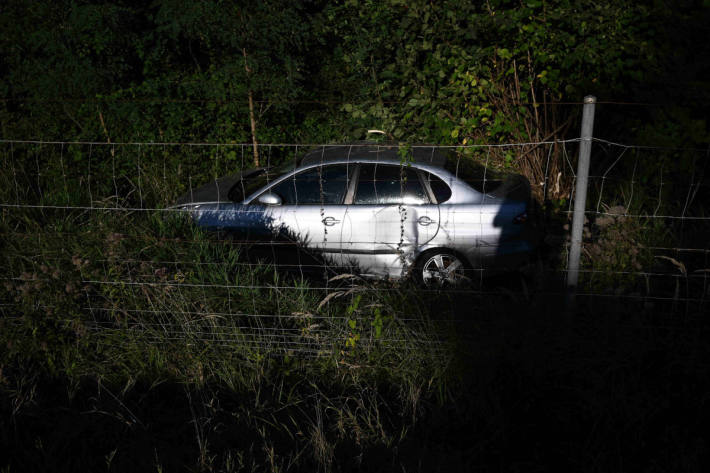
pixel 442 72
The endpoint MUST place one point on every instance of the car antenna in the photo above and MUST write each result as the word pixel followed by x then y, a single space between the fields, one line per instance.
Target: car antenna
pixel 375 132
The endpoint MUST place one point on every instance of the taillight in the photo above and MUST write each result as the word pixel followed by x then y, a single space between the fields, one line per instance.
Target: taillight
pixel 522 218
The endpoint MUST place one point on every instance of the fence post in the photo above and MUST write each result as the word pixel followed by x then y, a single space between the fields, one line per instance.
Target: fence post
pixel 580 198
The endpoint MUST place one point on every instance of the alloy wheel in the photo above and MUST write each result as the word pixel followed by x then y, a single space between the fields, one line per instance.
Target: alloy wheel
pixel 443 269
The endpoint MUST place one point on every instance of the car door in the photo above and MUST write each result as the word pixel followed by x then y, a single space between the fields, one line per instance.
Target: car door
pixel 312 209
pixel 390 217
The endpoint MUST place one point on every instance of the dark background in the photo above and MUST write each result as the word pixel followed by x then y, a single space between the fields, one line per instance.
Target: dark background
pixel 520 382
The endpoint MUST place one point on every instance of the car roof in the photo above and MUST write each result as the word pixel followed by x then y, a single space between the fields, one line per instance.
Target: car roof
pixel 385 152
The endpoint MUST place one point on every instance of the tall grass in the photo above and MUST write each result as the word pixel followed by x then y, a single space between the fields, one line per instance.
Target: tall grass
pixel 170 350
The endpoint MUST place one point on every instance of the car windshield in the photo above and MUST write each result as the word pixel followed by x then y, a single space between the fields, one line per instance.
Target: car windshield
pixel 252 181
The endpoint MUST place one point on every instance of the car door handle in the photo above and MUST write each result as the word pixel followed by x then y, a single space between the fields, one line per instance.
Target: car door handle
pixel 330 221
pixel 425 221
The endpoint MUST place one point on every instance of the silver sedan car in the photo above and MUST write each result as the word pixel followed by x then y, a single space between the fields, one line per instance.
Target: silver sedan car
pixel 378 210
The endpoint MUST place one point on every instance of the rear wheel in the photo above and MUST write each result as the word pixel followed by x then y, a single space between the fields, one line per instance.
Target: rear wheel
pixel 441 268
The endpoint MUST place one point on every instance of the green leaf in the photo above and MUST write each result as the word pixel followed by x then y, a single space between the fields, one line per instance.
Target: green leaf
pixel 504 53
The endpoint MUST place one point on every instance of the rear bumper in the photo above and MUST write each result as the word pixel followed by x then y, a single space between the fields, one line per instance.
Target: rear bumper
pixel 509 255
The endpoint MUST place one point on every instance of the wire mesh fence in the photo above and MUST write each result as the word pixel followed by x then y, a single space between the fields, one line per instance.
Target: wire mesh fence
pixel 335 249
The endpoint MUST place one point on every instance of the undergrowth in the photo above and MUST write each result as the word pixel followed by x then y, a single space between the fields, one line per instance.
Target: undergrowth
pixel 170 348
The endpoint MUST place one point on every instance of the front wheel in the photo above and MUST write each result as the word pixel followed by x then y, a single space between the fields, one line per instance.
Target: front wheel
pixel 441 268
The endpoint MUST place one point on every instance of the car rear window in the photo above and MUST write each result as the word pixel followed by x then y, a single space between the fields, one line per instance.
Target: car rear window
pixel 473 173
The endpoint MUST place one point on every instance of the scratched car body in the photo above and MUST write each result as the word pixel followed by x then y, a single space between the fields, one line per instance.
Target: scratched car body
pixel 377 210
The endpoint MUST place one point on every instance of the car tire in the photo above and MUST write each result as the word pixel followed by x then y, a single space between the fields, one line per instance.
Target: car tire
pixel 441 268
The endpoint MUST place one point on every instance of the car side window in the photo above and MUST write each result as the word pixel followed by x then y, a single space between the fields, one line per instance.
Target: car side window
pixel 387 184
pixel 321 185
pixel 441 191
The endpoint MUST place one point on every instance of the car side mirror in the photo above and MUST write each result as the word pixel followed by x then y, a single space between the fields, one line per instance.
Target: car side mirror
pixel 270 199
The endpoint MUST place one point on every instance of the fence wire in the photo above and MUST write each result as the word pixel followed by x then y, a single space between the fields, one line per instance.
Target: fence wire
pixel 171 240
